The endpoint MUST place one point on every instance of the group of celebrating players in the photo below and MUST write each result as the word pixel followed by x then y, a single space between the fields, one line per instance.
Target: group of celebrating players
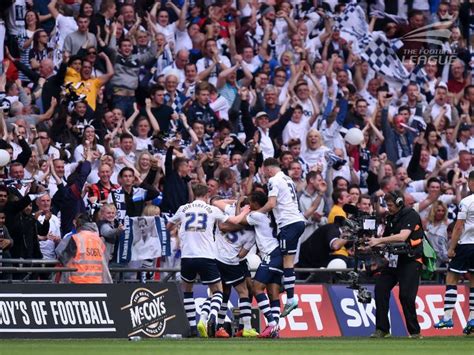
pixel 219 261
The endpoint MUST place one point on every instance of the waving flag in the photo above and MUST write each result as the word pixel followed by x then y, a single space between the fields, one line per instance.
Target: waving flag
pixel 373 47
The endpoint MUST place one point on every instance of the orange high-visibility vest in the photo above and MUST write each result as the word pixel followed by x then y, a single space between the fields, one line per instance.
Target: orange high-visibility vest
pixel 89 259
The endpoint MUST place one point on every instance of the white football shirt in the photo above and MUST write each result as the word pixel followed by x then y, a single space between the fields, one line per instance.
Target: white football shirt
pixel 230 244
pixel 287 210
pixel 266 242
pixel 196 232
pixel 466 213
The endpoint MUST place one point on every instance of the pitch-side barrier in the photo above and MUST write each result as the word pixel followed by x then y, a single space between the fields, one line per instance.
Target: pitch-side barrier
pixel 154 308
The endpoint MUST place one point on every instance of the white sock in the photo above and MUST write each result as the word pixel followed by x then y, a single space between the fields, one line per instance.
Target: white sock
pixel 247 324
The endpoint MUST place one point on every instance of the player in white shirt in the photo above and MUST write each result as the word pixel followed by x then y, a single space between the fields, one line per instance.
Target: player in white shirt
pixel 290 222
pixel 233 244
pixel 461 252
pixel 198 252
pixel 269 272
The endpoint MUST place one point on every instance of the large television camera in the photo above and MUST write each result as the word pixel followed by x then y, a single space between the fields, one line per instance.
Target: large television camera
pixel 358 227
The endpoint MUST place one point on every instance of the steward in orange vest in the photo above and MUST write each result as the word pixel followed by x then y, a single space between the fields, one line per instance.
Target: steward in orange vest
pixel 84 251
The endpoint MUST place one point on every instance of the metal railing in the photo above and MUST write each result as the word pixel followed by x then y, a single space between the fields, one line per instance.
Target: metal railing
pixel 53 266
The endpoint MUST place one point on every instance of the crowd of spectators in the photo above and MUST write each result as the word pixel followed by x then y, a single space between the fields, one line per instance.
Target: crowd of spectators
pixel 113 107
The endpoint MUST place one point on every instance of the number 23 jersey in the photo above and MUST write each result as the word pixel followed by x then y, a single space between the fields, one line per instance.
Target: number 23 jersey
pixel 287 210
pixel 196 233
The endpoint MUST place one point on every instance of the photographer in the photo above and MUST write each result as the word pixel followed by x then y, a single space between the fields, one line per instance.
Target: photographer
pixel 403 226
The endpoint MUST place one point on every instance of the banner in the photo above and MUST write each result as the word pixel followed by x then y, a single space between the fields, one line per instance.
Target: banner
pixel 430 308
pixel 152 310
pixel 358 319
pixel 91 311
pixel 143 238
pixel 314 317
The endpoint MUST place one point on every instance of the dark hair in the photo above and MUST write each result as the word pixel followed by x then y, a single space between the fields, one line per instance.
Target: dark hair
pixel 125 39
pixel 403 108
pixel 73 58
pixel 271 162
pixel 225 174
pixel 365 197
pixel 37 18
pixel 301 83
pixel 125 136
pixel 156 88
pixel 123 170
pixel 360 100
pixel 394 197
pixel 430 128
pixel 336 195
pixel 337 179
pixel 353 186
pixel 81 9
pixel 258 197
pixel 414 13
pixel 200 190
pixel 433 179
pixel 294 141
pixel 467 88
pixel 286 152
pixel 224 125
pixel 198 122
pixel 81 15
pixel 311 175
pixel 178 161
pixel 189 65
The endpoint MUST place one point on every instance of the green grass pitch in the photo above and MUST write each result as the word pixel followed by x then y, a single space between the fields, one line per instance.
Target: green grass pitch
pixel 332 346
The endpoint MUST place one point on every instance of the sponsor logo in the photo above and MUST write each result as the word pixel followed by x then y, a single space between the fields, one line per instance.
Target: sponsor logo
pixel 148 312
pixel 358 319
pixel 45 313
pixel 430 309
pixel 432 37
pixel 313 317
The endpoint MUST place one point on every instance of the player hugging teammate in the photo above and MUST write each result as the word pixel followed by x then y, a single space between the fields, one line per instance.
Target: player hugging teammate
pixel 219 261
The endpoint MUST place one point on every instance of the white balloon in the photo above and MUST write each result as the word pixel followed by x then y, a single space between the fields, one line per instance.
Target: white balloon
pixel 354 136
pixel 337 264
pixel 4 157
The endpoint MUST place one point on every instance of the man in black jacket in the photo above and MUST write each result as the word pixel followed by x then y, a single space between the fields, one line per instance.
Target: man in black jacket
pixel 21 224
pixel 176 186
pixel 403 226
pixel 200 109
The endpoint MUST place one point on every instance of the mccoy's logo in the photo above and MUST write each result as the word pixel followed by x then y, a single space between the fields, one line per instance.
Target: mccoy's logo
pixel 148 312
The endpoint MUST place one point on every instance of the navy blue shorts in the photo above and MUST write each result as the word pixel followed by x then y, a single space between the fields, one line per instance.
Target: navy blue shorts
pixel 231 274
pixel 245 267
pixel 270 269
pixel 205 268
pixel 289 236
pixel 463 261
